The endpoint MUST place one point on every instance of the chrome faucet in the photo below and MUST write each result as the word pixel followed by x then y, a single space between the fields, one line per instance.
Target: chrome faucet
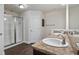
pixel 63 41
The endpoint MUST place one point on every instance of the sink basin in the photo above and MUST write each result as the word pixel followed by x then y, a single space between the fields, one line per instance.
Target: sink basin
pixel 54 42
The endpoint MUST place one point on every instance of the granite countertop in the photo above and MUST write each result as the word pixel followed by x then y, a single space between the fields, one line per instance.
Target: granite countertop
pixel 75 40
pixel 40 46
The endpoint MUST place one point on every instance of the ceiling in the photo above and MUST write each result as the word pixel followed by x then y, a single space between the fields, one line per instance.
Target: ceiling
pixel 41 7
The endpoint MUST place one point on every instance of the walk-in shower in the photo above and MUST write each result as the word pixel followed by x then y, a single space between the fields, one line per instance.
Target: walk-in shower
pixel 13 30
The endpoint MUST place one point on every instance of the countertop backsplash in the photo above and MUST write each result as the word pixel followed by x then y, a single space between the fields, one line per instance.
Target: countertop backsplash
pixel 72 32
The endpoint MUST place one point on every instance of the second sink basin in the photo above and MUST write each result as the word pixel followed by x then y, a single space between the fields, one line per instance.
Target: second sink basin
pixel 54 42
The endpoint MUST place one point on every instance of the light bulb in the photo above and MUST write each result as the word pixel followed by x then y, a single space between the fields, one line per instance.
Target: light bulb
pixel 21 6
pixel 5 19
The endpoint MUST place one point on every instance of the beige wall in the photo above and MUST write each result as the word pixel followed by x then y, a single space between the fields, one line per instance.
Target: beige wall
pixel 28 22
pixel 55 20
pixel 1 29
pixel 11 13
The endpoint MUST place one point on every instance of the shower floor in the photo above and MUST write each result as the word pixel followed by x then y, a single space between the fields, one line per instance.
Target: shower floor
pixel 21 49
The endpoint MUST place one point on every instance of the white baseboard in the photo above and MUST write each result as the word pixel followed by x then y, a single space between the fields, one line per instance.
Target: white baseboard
pixel 13 45
pixel 28 42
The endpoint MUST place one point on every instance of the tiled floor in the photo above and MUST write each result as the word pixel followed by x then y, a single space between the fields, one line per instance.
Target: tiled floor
pixel 22 49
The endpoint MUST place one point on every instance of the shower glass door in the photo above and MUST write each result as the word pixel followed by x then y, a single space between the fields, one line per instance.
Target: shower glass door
pixel 8 30
pixel 12 30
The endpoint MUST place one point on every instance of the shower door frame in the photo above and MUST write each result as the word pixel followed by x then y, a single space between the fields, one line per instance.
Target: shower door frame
pixel 15 31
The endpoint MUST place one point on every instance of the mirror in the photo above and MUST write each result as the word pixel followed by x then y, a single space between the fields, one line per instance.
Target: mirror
pixel 74 16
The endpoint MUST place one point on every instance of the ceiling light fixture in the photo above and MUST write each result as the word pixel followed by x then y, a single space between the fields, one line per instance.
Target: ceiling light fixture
pixel 21 6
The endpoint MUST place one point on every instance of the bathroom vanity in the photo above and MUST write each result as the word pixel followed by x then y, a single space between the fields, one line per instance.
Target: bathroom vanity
pixel 76 40
pixel 40 48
